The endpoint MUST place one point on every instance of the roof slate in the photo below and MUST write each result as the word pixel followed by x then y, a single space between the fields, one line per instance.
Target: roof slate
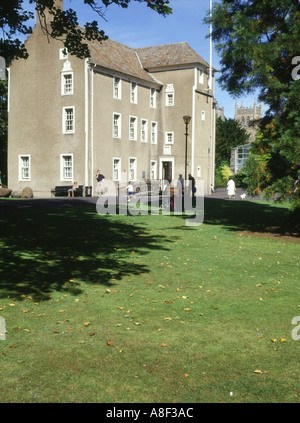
pixel 169 55
pixel 119 57
pixel 135 62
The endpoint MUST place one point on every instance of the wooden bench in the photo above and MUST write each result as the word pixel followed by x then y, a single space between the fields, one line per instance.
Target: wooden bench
pixel 62 191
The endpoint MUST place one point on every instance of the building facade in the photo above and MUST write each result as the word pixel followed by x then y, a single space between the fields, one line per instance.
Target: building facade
pixel 120 111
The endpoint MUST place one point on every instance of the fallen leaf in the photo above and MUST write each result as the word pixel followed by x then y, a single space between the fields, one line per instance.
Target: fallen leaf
pixel 186 375
pixel 187 309
pixel 86 324
pixel 164 345
pixel 25 311
pixel 92 334
pixel 282 339
pixel 56 331
pixel 110 342
pixel 258 371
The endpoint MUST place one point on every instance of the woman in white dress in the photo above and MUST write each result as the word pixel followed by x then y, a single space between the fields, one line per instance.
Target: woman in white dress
pixel 231 188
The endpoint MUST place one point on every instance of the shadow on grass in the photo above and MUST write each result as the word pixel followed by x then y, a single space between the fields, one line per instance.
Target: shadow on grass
pixel 42 249
pixel 245 216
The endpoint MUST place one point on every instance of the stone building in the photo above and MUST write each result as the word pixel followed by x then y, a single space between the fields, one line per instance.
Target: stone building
pixel 120 111
pixel 249 118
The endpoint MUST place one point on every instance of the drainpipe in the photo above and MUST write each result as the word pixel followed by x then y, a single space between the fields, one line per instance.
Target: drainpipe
pixel 86 116
pixel 92 126
pixel 193 123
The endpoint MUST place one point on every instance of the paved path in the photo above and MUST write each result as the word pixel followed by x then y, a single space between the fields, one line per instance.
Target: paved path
pixel 221 193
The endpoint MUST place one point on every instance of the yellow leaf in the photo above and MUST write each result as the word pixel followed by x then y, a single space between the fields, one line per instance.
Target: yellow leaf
pixel 164 345
pixel 274 340
pixel 258 371
pixel 61 311
pixel 282 339
pixel 25 311
pixel 86 323
pixel 187 309
pixel 11 305
pixel 76 300
pixel 186 375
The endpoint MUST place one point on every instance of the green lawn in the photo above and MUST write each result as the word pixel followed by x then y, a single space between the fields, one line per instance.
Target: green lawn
pixel 146 309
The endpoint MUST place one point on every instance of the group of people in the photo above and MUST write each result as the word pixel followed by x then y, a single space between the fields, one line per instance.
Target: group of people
pixel 231 188
pixel 191 186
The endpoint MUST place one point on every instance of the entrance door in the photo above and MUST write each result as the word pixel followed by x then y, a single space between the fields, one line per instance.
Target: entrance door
pixel 167 171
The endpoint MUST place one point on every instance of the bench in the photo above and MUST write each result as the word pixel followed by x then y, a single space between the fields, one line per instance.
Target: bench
pixel 62 191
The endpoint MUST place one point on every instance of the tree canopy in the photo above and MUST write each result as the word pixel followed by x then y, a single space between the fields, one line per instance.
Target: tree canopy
pixel 229 134
pixel 15 18
pixel 259 45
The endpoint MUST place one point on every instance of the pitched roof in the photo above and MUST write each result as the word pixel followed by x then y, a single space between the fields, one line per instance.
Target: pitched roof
pixel 136 62
pixel 169 55
pixel 119 57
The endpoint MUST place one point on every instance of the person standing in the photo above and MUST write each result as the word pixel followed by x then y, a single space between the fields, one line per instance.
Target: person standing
pixel 99 178
pixel 192 185
pixel 180 185
pixel 231 188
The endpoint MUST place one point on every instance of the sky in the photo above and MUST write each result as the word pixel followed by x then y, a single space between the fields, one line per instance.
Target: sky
pixel 139 26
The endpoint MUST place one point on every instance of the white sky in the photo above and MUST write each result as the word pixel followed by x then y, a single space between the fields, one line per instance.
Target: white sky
pixel 139 26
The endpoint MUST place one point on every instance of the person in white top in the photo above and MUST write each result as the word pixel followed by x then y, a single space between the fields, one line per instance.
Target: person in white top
pixel 130 192
pixel 231 188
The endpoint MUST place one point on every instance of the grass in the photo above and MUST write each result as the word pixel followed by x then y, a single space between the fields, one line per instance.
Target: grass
pixel 146 309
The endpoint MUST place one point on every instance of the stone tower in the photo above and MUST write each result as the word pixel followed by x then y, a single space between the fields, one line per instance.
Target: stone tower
pixel 249 117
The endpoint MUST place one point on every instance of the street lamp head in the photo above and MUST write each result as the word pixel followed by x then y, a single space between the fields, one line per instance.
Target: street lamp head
pixel 186 119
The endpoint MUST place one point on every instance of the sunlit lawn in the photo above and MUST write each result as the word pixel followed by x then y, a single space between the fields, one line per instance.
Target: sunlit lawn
pixel 146 309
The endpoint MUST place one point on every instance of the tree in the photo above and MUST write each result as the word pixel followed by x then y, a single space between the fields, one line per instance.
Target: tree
pixel 64 24
pixel 259 44
pixel 229 134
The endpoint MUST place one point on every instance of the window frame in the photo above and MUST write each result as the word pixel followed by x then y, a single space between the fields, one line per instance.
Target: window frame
pixel 134 178
pixel 63 167
pixel 21 167
pixel 133 92
pixel 145 140
pixel 167 133
pixel 134 138
pixel 63 83
pixel 153 98
pixel 62 55
pixel 119 125
pixel 118 87
pixel 64 120
pixel 153 122
pixel 118 179
pixel 155 170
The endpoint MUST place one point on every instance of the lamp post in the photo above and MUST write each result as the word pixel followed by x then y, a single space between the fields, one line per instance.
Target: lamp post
pixel 186 120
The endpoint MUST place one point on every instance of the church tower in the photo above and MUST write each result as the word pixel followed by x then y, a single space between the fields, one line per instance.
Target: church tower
pixel 249 117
